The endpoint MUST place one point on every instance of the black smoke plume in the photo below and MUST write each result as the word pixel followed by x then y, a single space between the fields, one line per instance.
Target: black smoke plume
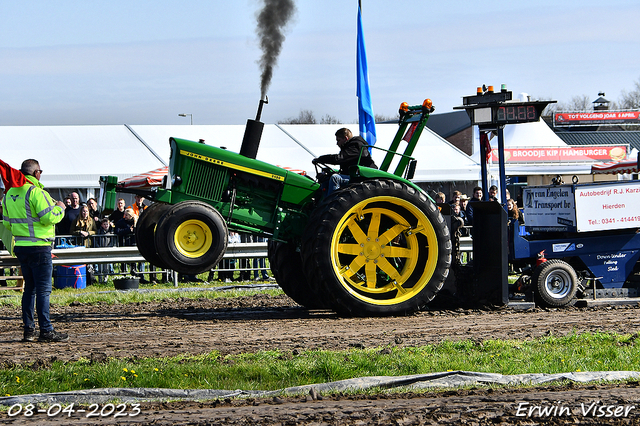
pixel 272 20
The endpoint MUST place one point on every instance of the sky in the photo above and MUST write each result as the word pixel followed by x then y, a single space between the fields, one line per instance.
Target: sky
pixel 146 61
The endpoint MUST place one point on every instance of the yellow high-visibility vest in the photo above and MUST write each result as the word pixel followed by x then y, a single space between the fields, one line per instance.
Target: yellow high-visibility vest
pixel 30 214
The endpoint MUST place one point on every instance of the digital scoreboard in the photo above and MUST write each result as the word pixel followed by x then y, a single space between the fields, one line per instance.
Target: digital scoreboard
pixel 487 108
pixel 506 113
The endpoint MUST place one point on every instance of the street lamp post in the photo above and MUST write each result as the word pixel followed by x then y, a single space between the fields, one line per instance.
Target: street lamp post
pixel 184 115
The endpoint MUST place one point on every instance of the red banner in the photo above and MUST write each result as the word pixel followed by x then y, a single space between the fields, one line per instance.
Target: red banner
pixel 592 118
pixel 584 153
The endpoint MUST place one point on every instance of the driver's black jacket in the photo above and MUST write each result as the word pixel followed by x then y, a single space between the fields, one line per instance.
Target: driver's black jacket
pixel 349 155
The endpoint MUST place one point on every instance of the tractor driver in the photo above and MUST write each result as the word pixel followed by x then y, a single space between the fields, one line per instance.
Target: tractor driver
pixel 351 148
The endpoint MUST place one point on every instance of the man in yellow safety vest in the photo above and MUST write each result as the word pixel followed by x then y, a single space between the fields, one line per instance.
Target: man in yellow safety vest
pixel 31 214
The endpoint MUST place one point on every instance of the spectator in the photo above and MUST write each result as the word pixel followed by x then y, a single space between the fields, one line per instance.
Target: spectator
pixel 455 197
pixel 94 210
pixel 441 198
pixel 457 220
pixel 70 215
pixel 67 201
pixel 114 218
pixel 493 193
pixel 126 227
pixel 464 201
pixel 514 213
pixel 118 213
pixel 138 206
pixel 84 226
pixel 105 239
pixel 477 196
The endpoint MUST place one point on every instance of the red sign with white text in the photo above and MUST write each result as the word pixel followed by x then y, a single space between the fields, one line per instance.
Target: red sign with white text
pixel 593 118
pixel 584 153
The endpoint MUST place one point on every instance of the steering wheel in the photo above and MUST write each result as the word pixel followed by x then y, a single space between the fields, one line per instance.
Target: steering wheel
pixel 323 171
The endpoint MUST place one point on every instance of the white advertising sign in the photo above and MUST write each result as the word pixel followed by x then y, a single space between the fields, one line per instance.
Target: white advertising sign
pixel 609 206
pixel 549 208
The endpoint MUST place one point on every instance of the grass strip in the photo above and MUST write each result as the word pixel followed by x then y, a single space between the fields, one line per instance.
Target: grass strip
pixel 105 293
pixel 271 370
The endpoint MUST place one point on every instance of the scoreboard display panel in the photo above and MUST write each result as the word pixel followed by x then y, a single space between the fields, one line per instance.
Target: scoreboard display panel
pixel 507 113
pixel 488 108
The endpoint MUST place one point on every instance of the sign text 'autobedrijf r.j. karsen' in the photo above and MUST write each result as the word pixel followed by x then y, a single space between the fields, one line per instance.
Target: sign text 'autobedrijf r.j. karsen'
pixel 583 208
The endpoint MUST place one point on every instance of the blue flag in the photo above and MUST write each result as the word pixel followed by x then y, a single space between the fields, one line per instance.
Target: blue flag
pixel 365 110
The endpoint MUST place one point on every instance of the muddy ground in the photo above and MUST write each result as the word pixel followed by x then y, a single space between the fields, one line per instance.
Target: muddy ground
pixel 261 322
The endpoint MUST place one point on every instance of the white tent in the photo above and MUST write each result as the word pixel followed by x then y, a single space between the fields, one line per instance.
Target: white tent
pixel 530 135
pixel 289 146
pixel 76 156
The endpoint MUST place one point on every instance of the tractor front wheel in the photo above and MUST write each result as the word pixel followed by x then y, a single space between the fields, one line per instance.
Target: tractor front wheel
pixel 191 237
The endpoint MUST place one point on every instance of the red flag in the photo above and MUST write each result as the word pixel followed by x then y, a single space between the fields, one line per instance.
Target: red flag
pixel 10 176
pixel 412 128
pixel 484 140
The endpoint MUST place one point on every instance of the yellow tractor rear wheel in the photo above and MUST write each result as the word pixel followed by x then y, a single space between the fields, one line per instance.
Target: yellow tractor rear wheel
pixel 377 248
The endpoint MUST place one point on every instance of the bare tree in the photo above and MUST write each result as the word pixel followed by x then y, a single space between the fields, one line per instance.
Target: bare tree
pixel 379 118
pixel 550 110
pixel 577 103
pixel 304 117
pixel 630 100
pixel 329 119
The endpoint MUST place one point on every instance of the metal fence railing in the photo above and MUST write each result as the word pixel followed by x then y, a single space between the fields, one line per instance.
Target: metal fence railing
pixel 81 255
pixel 131 255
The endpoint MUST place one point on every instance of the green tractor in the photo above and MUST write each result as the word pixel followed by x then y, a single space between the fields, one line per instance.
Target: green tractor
pixel 378 246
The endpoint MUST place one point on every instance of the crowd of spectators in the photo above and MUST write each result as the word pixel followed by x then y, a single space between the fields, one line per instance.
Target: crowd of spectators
pixel 462 208
pixel 85 225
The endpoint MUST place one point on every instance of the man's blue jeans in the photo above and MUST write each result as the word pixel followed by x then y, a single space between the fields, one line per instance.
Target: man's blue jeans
pixel 37 269
pixel 336 181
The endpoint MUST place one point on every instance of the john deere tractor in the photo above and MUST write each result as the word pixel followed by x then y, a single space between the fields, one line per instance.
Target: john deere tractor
pixel 378 246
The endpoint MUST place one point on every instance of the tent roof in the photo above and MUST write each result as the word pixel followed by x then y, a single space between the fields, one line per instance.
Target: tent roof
pixel 76 156
pixel 438 160
pixel 627 137
pixel 536 134
pixel 531 135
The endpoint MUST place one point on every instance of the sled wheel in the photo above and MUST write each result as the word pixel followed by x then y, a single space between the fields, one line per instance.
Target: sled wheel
pixel 556 283
pixel 378 247
pixel 145 233
pixel 286 265
pixel 191 237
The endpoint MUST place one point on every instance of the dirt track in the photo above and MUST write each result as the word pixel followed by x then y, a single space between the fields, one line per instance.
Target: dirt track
pixel 262 322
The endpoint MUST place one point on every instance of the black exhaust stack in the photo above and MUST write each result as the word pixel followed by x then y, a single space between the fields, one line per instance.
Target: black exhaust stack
pixel 253 133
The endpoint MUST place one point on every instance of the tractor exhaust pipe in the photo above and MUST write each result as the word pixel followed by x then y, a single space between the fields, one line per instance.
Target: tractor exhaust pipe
pixel 262 102
pixel 253 133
